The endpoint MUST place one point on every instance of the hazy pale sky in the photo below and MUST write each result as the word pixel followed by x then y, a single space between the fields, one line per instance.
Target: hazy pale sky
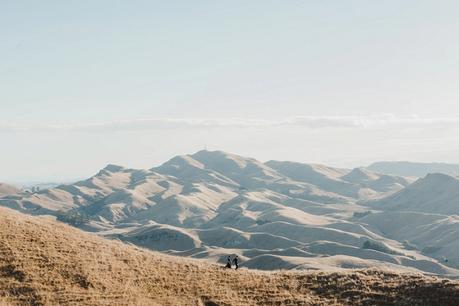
pixel 86 83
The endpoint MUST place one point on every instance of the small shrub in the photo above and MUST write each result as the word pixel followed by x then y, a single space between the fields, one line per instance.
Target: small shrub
pixel 361 214
pixel 378 246
pixel 73 217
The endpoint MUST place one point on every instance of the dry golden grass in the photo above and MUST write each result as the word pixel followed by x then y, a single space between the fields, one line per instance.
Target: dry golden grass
pixel 43 262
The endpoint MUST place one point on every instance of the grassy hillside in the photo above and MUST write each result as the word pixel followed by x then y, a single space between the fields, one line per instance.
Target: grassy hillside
pixel 8 189
pixel 275 215
pixel 43 262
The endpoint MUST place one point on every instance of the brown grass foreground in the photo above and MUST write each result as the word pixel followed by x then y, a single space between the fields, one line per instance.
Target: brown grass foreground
pixel 43 262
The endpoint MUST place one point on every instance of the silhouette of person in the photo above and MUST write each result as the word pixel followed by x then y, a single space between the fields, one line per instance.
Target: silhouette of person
pixel 228 263
pixel 235 261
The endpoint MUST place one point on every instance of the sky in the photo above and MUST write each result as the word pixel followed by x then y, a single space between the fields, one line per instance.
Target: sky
pixel 345 83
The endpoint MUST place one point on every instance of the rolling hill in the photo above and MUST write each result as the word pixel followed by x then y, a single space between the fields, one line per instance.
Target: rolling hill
pixel 44 262
pixel 424 216
pixel 274 215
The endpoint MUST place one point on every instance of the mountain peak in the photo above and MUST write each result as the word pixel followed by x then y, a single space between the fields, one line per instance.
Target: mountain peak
pixel 184 160
pixel 113 168
pixel 212 157
pixel 359 174
pixel 439 178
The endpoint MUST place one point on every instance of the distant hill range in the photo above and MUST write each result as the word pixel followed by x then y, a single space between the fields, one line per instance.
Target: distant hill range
pixel 273 215
pixel 404 168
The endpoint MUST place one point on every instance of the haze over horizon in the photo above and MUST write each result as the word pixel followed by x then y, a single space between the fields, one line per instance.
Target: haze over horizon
pixel 345 84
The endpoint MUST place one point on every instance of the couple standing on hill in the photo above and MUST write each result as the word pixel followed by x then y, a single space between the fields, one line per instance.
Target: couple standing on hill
pixel 234 261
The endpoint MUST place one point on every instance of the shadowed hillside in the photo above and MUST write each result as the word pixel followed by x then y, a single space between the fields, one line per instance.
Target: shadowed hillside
pixel 43 262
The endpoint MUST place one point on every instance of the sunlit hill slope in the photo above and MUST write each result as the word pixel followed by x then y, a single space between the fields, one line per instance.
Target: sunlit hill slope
pixel 43 262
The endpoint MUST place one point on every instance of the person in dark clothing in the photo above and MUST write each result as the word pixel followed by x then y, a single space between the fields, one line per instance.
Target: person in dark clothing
pixel 235 261
pixel 228 263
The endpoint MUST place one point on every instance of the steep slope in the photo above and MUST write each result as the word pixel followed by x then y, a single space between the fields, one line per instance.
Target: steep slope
pixel 403 168
pixel 46 263
pixel 432 234
pixel 436 193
